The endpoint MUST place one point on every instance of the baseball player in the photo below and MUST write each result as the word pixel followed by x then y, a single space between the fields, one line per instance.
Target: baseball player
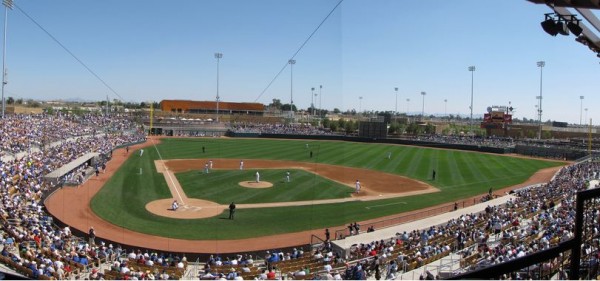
pixel 357 186
pixel 257 177
pixel 210 164
pixel 141 152
pixel 206 168
pixel 241 165
pixel 287 176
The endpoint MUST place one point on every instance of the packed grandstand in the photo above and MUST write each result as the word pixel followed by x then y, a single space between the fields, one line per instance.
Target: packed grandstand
pixel 524 222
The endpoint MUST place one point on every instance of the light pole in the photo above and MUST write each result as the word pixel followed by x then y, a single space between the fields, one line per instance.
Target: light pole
pixel 8 4
pixel 446 107
pixel 580 109
pixel 320 98
pixel 359 105
pixel 472 69
pixel 315 107
pixel 541 65
pixel 312 103
pixel 423 108
pixel 407 106
pixel 292 62
pixel 218 56
pixel 585 114
pixel 396 108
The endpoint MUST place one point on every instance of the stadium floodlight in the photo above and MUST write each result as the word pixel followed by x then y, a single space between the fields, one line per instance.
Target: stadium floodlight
pixel 312 101
pixel 541 65
pixel 292 62
pixel 360 104
pixel 320 97
pixel 8 4
pixel 574 27
pixel 561 27
pixel 549 25
pixel 396 108
pixel 445 107
pixel 580 109
pixel 218 56
pixel 472 69
pixel 423 108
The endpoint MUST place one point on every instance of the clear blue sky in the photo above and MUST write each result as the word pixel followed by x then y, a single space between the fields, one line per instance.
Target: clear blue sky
pixel 154 50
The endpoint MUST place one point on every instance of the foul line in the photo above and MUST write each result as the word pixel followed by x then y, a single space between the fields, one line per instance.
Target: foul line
pixel 168 173
pixel 375 206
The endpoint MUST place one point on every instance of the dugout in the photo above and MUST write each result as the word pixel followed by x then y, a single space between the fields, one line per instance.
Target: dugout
pixel 91 159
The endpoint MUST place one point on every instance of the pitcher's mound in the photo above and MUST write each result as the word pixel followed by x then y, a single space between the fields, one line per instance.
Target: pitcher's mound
pixel 191 209
pixel 253 184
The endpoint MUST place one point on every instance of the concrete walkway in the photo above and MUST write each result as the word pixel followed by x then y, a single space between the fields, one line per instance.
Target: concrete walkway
pixel 426 223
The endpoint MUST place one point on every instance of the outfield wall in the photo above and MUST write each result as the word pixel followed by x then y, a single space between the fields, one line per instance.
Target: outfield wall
pixel 495 150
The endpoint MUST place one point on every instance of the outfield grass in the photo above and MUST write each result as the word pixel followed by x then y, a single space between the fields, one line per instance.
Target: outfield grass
pixel 459 174
pixel 222 186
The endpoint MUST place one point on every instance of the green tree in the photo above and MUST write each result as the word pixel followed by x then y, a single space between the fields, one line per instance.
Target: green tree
pixel 336 110
pixel 276 104
pixel 10 100
pixel 286 107
pixel 333 126
pixel 350 127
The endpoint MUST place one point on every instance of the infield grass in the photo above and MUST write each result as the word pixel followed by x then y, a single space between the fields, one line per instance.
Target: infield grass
pixel 460 174
pixel 222 186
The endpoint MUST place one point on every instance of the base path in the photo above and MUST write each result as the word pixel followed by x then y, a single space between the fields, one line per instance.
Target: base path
pixel 72 206
pixel 375 185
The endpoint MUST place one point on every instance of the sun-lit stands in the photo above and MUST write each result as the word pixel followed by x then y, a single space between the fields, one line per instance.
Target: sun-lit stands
pixel 539 217
pixel 32 244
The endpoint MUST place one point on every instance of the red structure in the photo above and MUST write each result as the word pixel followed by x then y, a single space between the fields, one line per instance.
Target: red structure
pixel 210 107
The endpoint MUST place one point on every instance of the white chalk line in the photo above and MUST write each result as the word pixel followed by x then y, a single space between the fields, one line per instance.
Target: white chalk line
pixel 168 174
pixel 376 206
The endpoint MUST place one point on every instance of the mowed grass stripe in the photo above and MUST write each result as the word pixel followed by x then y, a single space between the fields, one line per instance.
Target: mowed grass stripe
pixel 472 168
pixel 222 186
pixel 413 165
pixel 134 191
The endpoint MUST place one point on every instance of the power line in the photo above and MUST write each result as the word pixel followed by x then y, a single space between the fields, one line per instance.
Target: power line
pixel 69 52
pixel 299 49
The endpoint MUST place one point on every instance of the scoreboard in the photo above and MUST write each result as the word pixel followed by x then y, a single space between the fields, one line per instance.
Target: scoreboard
pixel 496 117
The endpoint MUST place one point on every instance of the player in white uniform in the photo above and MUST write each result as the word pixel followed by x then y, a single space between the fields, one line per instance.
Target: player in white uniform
pixel 257 177
pixel 241 164
pixel 357 186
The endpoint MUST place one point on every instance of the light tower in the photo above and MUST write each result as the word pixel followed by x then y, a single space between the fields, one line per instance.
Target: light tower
pixel 312 102
pixel 580 109
pixel 423 108
pixel 292 62
pixel 541 65
pixel 396 108
pixel 8 4
pixel 320 98
pixel 445 107
pixel 472 69
pixel 218 56
pixel 360 104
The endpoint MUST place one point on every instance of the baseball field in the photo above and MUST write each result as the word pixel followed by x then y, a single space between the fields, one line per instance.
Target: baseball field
pixel 318 195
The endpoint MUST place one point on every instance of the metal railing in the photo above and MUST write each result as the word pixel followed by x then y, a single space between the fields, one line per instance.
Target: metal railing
pixel 404 218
